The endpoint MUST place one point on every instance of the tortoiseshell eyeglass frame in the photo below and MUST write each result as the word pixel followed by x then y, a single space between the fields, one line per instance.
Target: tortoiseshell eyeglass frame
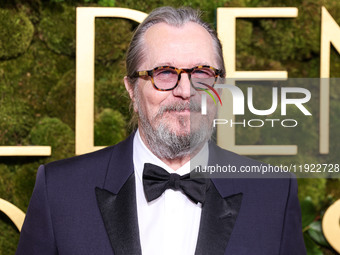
pixel 149 73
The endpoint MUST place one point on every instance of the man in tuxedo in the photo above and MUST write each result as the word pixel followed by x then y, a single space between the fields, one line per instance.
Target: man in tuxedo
pixel 137 197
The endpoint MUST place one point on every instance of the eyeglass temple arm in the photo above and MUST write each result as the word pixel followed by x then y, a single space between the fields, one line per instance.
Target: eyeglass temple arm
pixel 141 73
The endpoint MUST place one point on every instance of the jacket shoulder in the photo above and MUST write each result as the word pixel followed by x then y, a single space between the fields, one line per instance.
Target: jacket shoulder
pixel 85 159
pixel 97 161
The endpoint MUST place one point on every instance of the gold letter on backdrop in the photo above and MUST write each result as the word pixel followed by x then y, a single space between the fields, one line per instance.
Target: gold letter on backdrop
pixel 330 33
pixel 331 226
pixel 226 29
pixel 85 70
pixel 14 213
pixel 25 150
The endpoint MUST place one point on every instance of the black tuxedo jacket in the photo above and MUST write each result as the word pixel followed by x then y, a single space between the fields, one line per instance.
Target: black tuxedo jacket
pixel 87 205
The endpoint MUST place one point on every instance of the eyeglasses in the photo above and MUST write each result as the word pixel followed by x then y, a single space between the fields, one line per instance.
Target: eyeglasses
pixel 165 78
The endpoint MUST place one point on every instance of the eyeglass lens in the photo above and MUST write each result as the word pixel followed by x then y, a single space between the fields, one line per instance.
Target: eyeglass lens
pixel 166 78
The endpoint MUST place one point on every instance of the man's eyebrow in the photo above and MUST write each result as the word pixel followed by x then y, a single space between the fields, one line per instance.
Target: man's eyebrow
pixel 172 64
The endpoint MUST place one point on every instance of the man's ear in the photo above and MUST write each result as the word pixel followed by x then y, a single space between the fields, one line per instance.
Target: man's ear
pixel 128 87
pixel 130 90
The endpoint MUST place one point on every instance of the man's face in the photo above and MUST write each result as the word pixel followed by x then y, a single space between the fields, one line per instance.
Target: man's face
pixel 184 47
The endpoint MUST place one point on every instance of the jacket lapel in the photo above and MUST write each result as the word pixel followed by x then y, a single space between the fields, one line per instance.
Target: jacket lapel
pixel 217 222
pixel 220 210
pixel 120 218
pixel 117 201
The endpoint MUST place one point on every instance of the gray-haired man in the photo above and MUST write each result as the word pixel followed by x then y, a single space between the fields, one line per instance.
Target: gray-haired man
pixel 137 197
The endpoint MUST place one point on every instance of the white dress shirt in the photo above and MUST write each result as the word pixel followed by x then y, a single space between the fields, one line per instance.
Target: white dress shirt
pixel 168 225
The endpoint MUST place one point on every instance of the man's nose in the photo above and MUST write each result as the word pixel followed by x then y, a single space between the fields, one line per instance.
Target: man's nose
pixel 184 88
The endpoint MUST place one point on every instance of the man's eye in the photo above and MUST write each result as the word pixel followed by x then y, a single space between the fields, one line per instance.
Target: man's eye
pixel 203 73
pixel 164 73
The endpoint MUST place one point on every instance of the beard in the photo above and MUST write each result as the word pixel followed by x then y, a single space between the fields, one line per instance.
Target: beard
pixel 165 142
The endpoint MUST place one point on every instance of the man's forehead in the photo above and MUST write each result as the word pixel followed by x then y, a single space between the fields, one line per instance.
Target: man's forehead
pixel 180 34
pixel 189 44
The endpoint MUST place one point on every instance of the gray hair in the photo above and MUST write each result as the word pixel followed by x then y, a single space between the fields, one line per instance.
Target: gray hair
pixel 174 17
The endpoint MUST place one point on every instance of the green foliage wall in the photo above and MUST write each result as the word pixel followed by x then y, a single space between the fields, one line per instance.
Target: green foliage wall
pixel 37 85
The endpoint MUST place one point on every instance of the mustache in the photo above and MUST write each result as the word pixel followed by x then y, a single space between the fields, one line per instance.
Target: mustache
pixel 180 106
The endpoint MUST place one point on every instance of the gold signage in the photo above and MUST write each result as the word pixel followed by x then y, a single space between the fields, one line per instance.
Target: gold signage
pixel 331 225
pixel 330 33
pixel 14 213
pixel 85 70
pixel 226 28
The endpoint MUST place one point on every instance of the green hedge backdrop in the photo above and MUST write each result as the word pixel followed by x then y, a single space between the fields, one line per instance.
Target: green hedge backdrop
pixel 37 89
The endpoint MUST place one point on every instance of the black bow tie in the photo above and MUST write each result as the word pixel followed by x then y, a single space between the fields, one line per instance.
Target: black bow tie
pixel 156 180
